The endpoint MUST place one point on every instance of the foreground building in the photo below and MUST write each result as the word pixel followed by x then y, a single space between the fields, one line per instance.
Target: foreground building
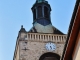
pixel 43 41
pixel 72 46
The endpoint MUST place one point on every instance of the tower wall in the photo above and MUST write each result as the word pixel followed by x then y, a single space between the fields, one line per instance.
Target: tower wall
pixel 32 45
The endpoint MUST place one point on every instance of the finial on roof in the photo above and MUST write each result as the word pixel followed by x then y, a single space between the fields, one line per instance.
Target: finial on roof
pixel 21 26
pixel 22 29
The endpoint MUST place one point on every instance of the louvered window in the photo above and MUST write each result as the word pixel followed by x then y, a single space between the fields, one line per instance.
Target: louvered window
pixel 39 11
pixel 46 15
pixel 34 14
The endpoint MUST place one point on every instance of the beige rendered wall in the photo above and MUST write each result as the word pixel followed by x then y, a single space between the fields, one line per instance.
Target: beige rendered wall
pixel 76 54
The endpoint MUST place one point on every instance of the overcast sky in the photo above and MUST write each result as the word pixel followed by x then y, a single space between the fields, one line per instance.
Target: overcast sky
pixel 14 13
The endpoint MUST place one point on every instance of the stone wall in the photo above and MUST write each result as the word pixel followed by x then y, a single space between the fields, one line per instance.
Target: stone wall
pixel 32 45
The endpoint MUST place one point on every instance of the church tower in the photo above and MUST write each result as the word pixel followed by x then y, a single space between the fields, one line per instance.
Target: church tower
pixel 43 41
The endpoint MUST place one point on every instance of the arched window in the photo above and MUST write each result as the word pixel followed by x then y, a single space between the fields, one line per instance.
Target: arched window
pixel 46 15
pixel 34 14
pixel 49 56
pixel 39 11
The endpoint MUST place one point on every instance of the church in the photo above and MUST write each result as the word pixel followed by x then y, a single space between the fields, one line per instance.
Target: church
pixel 43 41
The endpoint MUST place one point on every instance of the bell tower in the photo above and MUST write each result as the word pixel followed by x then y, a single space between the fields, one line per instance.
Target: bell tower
pixel 43 41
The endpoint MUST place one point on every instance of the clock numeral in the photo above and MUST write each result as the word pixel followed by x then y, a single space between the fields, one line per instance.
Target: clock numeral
pixel 50 47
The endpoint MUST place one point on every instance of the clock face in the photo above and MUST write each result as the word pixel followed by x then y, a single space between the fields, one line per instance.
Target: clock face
pixel 50 46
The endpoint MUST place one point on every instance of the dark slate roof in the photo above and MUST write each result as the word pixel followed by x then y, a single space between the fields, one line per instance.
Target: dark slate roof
pixel 71 24
pixel 56 31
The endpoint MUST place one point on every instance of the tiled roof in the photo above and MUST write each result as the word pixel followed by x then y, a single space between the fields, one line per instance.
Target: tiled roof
pixel 56 31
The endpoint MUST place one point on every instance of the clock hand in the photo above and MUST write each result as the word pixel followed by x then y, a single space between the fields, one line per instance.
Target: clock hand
pixel 50 47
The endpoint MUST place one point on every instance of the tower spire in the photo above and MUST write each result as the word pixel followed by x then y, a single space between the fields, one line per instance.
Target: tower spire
pixel 41 12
